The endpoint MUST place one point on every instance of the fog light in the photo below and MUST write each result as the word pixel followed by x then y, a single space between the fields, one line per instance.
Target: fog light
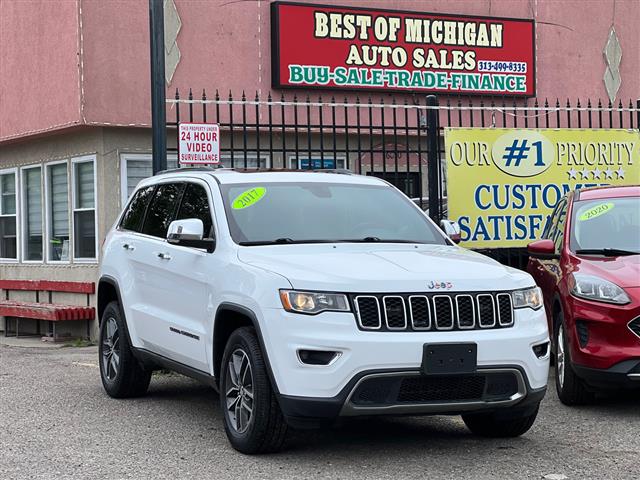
pixel 317 357
pixel 582 328
pixel 541 350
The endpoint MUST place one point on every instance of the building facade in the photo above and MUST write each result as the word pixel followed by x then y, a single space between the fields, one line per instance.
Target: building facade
pixel 75 132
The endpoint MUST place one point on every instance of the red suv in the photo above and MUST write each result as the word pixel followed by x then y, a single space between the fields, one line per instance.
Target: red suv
pixel 588 267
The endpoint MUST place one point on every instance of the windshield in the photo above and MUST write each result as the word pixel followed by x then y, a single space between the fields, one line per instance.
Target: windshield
pixel 324 212
pixel 605 224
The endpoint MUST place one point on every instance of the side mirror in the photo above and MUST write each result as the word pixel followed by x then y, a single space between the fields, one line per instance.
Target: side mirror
pixel 542 249
pixel 189 233
pixel 452 229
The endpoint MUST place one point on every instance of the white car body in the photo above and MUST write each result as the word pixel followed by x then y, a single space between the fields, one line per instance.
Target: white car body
pixel 171 297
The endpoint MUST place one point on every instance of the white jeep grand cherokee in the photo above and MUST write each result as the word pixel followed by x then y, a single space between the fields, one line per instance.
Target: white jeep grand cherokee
pixel 307 296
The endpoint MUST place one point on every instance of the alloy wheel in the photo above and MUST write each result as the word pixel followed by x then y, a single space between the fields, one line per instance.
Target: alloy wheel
pixel 111 349
pixel 560 359
pixel 239 391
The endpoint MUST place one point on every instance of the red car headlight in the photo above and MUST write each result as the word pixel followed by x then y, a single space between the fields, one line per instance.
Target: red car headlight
pixel 597 289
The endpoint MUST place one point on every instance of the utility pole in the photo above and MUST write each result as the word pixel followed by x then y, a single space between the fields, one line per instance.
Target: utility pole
pixel 158 106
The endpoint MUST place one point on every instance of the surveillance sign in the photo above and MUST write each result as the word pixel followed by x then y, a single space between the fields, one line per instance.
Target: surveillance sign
pixel 199 144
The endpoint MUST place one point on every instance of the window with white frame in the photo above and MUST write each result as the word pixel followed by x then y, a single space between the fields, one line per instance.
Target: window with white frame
pixel 84 209
pixel 317 162
pixel 8 216
pixel 135 168
pixel 32 244
pixel 253 162
pixel 57 201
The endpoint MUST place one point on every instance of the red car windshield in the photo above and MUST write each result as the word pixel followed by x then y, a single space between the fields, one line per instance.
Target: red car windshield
pixel 606 224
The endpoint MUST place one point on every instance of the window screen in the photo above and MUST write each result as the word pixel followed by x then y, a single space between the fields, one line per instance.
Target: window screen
pixel 8 247
pixel 140 168
pixel 33 214
pixel 58 204
pixel 84 214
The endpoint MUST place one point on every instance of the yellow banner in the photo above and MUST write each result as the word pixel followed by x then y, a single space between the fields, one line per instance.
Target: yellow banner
pixel 502 184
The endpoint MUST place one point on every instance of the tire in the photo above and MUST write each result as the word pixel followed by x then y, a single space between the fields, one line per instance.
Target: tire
pixel 121 373
pixel 252 417
pixel 497 425
pixel 570 388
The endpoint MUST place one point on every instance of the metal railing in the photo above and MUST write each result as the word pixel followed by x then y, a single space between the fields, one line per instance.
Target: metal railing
pixel 399 139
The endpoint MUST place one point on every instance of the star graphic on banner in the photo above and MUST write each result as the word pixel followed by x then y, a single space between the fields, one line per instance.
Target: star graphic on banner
pixel 596 173
pixel 585 173
pixel 608 173
pixel 573 175
pixel 620 173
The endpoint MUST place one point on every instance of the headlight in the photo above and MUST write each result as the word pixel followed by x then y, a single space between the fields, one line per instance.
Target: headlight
pixel 313 302
pixel 528 297
pixel 597 289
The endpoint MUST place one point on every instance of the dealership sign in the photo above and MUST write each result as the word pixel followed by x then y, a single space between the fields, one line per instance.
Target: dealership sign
pixel 198 143
pixel 356 48
pixel 502 184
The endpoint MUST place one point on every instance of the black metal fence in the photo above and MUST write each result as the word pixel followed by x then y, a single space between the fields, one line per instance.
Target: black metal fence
pixel 398 139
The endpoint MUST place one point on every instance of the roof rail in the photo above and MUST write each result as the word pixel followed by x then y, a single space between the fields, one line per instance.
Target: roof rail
pixel 339 171
pixel 189 169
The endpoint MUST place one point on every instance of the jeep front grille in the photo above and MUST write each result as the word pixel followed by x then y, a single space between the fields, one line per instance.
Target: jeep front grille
pixel 433 312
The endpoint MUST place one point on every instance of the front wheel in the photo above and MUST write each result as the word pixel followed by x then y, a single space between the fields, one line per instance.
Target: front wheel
pixel 252 417
pixel 122 375
pixel 571 389
pixel 497 425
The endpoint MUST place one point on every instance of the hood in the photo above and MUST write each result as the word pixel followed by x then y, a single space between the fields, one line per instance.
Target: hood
pixel 378 268
pixel 623 271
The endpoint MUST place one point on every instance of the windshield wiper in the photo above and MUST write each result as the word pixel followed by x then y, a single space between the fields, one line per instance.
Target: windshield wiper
pixel 281 241
pixel 289 241
pixel 607 252
pixel 377 240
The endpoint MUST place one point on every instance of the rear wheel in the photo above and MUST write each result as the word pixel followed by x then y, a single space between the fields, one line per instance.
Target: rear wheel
pixel 252 417
pixel 571 389
pixel 122 375
pixel 500 425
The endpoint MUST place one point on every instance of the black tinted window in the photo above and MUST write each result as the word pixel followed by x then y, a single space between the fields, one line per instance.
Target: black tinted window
pixel 195 204
pixel 552 220
pixel 132 219
pixel 558 235
pixel 162 209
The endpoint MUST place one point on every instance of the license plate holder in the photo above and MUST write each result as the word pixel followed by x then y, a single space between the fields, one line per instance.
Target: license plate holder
pixel 449 358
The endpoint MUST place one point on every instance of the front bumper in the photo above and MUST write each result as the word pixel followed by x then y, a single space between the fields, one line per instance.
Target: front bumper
pixel 625 374
pixel 322 391
pixel 600 334
pixel 306 412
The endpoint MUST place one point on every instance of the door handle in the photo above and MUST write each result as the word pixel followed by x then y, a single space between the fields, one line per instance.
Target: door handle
pixel 126 246
pixel 164 256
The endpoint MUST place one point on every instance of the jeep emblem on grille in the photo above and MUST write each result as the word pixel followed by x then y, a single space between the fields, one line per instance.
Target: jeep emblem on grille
pixel 440 285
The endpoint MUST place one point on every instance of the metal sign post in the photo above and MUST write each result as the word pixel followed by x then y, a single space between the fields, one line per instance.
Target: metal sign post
pixel 433 158
pixel 158 107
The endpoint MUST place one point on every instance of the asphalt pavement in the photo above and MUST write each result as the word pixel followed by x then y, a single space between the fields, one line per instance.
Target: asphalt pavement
pixel 56 422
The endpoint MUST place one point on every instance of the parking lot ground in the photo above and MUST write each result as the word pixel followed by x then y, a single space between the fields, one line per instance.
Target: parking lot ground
pixel 56 422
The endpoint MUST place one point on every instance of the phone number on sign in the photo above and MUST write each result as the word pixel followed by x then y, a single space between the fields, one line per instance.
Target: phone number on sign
pixel 497 66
